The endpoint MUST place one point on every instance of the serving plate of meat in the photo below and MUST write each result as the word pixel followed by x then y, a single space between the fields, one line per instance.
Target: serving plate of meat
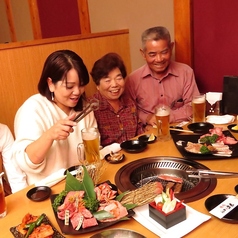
pixel 217 144
pixel 90 223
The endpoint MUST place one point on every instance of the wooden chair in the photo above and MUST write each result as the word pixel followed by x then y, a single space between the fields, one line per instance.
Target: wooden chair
pixel 6 185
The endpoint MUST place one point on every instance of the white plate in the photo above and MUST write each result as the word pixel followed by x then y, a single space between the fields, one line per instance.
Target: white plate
pixel 220 120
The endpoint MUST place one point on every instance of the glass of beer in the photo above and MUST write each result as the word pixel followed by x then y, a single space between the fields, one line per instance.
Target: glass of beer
pixel 91 142
pixel 162 113
pixel 199 108
pixel 3 206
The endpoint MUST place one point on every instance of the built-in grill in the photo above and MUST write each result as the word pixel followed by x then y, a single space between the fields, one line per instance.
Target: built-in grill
pixel 137 173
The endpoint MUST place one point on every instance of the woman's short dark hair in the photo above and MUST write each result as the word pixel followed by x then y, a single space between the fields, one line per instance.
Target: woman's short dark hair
pixel 104 65
pixel 56 67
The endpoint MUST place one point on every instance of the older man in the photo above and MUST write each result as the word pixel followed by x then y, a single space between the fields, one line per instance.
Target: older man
pixel 161 80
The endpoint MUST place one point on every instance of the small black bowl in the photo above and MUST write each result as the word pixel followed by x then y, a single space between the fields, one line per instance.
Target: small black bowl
pixel 145 138
pixel 107 158
pixel 236 188
pixel 133 146
pixel 200 127
pixel 39 193
pixel 230 128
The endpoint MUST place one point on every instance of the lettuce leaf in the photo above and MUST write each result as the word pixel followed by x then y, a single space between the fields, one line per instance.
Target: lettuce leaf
pixel 87 185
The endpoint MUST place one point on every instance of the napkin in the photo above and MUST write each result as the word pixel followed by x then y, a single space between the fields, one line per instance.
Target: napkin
pixel 115 147
pixel 220 119
pixel 52 179
pixel 213 97
pixel 193 220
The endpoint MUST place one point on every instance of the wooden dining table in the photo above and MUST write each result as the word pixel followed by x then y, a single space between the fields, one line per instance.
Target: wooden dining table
pixel 18 204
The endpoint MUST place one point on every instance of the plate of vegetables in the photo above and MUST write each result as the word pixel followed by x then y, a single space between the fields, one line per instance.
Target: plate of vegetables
pixel 82 207
pixel 33 225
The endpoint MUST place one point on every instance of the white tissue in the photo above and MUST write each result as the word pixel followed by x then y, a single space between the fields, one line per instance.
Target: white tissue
pixel 213 97
pixel 225 119
pixel 193 220
pixel 52 179
pixel 115 147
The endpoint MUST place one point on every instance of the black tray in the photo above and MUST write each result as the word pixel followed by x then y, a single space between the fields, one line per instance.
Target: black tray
pixel 68 230
pixel 194 139
pixel 56 234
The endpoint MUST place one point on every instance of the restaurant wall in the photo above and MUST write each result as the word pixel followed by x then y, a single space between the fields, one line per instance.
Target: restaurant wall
pixel 4 31
pixel 62 21
pixel 215 42
pixel 135 15
pixel 105 15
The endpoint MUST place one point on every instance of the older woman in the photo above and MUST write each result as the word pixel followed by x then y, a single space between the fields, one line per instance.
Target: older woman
pixel 46 135
pixel 117 115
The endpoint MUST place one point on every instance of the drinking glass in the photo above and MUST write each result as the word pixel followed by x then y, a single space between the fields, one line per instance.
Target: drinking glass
pixel 3 206
pixel 91 143
pixel 199 108
pixel 162 113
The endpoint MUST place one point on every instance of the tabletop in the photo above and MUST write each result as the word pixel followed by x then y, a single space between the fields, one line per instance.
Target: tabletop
pixel 18 204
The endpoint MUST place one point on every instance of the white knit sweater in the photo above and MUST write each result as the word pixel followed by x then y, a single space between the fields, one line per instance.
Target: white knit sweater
pixel 35 116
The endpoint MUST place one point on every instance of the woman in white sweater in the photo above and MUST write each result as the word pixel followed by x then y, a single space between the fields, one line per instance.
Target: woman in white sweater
pixel 46 135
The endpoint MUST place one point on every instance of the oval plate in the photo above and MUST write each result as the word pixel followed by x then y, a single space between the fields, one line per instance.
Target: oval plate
pixel 230 128
pixel 200 127
pixel 145 138
pixel 38 194
pixel 213 201
pixel 133 146
pixel 114 161
pixel 117 233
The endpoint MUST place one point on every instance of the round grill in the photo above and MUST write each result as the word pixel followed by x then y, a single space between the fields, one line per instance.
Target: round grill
pixel 142 171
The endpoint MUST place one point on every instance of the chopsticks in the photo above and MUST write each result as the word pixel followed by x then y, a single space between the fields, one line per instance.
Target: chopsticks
pixel 186 131
pixel 92 106
pixel 200 173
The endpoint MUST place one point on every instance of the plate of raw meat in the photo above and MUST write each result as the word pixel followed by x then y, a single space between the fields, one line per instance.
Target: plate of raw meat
pixel 222 144
pixel 89 223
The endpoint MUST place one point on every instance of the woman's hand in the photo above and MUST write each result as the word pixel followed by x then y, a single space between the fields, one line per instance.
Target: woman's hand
pixel 38 149
pixel 62 128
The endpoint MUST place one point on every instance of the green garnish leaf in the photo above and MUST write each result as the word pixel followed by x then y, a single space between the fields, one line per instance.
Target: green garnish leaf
pixel 209 139
pixel 120 196
pixel 129 206
pixel 91 204
pixel 124 218
pixel 204 150
pixel 59 200
pixel 101 215
pixel 87 185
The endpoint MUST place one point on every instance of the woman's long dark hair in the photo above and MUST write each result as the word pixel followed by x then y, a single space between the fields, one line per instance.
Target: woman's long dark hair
pixel 56 67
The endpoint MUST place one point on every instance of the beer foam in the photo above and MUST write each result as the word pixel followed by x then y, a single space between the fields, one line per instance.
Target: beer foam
pixel 198 100
pixel 90 136
pixel 162 113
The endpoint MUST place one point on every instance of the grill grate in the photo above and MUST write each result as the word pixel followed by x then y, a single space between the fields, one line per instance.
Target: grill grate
pixel 149 173
pixel 137 173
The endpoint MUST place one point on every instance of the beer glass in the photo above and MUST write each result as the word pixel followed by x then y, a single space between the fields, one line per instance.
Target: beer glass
pixel 3 206
pixel 199 108
pixel 91 143
pixel 162 113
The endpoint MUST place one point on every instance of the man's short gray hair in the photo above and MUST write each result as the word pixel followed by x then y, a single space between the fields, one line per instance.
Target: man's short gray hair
pixel 155 33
